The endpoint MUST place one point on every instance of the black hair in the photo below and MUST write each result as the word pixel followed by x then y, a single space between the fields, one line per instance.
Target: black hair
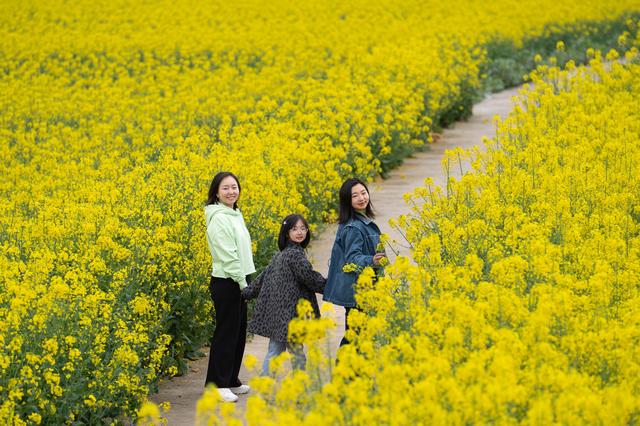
pixel 215 186
pixel 347 212
pixel 288 223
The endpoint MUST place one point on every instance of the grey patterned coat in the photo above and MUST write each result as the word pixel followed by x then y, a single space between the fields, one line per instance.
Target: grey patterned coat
pixel 288 278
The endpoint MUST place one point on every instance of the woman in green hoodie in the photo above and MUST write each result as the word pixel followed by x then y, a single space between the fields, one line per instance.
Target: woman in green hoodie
pixel 230 245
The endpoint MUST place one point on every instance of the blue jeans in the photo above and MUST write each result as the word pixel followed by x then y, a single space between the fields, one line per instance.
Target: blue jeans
pixel 276 348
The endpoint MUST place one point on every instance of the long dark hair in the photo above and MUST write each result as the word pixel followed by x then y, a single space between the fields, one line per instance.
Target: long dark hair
pixel 288 223
pixel 215 186
pixel 347 212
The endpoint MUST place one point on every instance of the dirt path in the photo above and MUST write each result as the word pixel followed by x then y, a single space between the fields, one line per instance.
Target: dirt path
pixel 387 198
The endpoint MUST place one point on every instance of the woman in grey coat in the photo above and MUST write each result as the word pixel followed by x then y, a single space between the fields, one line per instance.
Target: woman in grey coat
pixel 288 278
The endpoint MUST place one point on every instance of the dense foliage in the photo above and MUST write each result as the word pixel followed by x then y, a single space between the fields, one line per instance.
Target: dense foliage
pixel 115 116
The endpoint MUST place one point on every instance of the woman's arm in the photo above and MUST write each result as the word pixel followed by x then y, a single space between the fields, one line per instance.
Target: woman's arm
pixel 253 289
pixel 304 273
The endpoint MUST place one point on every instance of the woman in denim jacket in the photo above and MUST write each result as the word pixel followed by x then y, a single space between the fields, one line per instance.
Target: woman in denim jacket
pixel 356 241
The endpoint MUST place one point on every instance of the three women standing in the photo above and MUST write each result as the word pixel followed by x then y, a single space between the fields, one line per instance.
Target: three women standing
pixel 288 278
pixel 232 261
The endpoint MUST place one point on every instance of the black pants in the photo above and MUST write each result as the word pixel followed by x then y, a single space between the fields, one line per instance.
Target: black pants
pixel 227 344
pixel 344 340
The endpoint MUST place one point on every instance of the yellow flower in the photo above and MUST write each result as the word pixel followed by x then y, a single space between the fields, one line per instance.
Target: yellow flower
pixel 90 401
pixel 351 267
pixel 148 414
pixel 35 418
pixel 250 362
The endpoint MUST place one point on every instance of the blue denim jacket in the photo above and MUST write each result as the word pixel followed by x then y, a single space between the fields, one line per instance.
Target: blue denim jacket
pixel 356 242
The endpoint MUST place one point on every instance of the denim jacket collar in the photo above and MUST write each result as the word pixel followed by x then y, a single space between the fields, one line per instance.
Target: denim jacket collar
pixel 365 219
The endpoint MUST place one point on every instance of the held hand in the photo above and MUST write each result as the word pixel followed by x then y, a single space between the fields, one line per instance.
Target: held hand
pixel 377 258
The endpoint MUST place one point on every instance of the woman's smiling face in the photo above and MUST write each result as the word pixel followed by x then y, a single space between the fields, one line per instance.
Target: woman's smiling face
pixel 228 192
pixel 359 197
pixel 298 232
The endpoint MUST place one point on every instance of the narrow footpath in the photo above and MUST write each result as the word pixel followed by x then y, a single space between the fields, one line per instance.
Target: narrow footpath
pixel 387 199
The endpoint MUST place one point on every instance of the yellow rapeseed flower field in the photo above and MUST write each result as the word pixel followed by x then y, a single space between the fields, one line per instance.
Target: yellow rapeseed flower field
pixel 523 304
pixel 115 115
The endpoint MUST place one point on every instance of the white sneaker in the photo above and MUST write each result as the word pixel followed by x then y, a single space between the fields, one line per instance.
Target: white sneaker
pixel 240 390
pixel 227 395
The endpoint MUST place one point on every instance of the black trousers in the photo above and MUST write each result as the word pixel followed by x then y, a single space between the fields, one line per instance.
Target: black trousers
pixel 344 340
pixel 229 336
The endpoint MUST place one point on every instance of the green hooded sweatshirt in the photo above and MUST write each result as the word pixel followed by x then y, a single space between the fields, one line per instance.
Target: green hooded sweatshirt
pixel 229 243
